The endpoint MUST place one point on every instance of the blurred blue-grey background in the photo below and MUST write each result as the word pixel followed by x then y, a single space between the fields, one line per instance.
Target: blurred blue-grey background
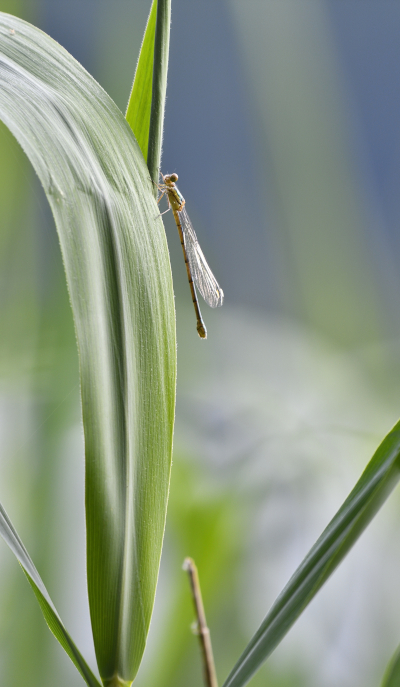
pixel 282 121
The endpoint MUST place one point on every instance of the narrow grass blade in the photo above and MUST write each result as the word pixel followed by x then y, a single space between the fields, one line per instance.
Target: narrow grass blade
pixel 377 481
pixel 161 53
pixel 145 112
pixel 139 105
pixel 50 614
pixel 119 279
pixel 392 673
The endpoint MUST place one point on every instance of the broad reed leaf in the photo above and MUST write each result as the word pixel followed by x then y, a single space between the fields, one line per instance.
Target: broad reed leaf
pixel 51 616
pixel 119 279
pixel 375 484
pixel 145 113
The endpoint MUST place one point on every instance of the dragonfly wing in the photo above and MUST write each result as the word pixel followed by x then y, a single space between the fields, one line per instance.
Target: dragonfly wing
pixel 201 273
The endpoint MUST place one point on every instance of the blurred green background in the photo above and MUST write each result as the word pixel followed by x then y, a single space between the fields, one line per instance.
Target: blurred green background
pixel 282 121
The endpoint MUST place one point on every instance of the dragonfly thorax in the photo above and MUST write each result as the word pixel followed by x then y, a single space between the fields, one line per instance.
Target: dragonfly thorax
pixel 175 197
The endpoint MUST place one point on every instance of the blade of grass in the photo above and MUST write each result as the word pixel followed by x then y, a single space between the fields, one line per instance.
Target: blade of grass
pixel 392 673
pixel 161 52
pixel 50 614
pixel 119 279
pixel 139 105
pixel 374 486
pixel 145 112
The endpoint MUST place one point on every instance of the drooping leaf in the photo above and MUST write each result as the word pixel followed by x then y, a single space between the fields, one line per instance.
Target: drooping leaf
pixel 118 273
pixel 51 616
pixel 375 484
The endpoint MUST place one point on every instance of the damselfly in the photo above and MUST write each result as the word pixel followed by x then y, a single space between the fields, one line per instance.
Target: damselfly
pixel 198 271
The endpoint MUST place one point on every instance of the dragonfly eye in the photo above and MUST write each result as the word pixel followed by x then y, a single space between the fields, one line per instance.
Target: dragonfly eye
pixel 174 178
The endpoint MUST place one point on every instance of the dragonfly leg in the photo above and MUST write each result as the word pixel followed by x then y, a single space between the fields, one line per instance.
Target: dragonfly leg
pixel 159 186
pixel 162 213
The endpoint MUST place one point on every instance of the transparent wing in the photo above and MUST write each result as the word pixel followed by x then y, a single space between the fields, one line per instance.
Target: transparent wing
pixel 201 273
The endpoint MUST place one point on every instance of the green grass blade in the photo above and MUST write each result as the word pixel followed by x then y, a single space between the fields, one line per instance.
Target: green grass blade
pixel 50 614
pixel 118 273
pixel 161 52
pixel 145 112
pixel 375 484
pixel 392 673
pixel 139 105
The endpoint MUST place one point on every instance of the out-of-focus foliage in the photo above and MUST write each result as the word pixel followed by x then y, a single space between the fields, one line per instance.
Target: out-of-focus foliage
pixel 283 423
pixel 392 674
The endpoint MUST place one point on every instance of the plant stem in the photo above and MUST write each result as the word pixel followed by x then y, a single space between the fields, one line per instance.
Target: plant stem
pixel 210 676
pixel 160 69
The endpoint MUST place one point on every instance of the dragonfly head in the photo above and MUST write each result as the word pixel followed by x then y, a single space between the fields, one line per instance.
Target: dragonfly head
pixel 171 179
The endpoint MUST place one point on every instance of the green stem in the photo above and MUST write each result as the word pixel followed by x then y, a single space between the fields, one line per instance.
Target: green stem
pixel 160 69
pixel 210 676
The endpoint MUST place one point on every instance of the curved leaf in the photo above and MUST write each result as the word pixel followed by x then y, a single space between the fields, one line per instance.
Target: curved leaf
pixel 375 484
pixel 51 616
pixel 119 279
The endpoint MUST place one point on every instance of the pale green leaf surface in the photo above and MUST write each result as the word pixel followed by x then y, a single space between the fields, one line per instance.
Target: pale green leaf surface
pixel 118 273
pixel 392 673
pixel 51 616
pixel 375 484
pixel 139 105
